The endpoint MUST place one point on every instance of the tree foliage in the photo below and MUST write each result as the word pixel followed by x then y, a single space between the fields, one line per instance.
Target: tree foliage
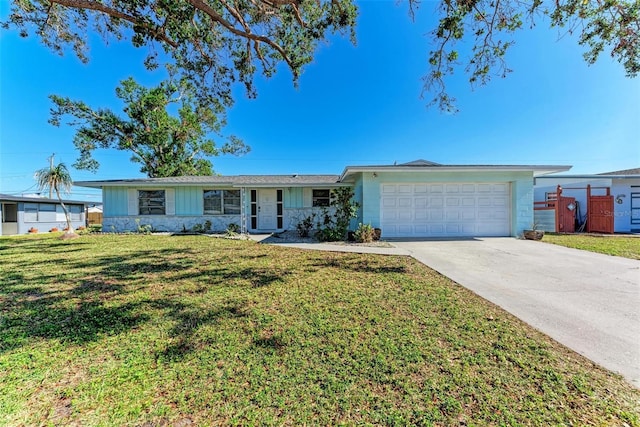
pixel 214 43
pixel 164 144
pixel 58 179
pixel 489 27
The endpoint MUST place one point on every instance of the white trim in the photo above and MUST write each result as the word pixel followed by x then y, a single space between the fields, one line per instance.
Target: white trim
pixel 169 201
pixel 132 205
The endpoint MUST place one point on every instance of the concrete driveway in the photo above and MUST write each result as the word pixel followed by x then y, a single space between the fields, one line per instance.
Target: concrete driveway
pixel 586 301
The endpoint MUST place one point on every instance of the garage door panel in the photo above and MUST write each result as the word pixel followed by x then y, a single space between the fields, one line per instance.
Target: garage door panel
pixel 499 201
pixel 452 215
pixel 388 215
pixel 404 202
pixel 452 188
pixel 405 216
pixel 468 201
pixel 436 215
pixel 436 202
pixel 387 188
pixel 420 202
pixel 388 202
pixel 421 215
pixel 484 201
pixel 420 229
pixel 448 209
pixel 501 188
pixel 468 215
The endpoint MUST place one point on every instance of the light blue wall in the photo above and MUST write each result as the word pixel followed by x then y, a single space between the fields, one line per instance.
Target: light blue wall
pixel 521 191
pixel 293 197
pixel 521 203
pixel 115 201
pixel 188 200
pixel 357 196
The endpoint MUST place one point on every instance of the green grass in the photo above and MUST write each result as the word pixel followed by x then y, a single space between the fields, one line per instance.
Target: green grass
pixel 628 247
pixel 191 330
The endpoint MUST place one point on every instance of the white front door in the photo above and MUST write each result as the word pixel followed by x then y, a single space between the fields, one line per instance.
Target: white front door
pixel 267 213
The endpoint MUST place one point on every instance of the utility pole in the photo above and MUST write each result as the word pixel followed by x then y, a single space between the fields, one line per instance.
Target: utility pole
pixel 51 168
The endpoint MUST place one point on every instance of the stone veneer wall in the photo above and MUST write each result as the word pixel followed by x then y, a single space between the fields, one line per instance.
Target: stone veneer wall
pixel 292 217
pixel 120 224
pixel 219 223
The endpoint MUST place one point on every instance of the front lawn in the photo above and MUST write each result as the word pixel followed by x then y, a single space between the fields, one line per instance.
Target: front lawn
pixel 192 330
pixel 628 247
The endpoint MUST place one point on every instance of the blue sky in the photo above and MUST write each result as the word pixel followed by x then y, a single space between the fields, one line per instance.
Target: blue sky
pixel 354 105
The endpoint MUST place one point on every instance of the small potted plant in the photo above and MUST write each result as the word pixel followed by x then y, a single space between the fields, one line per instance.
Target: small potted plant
pixel 533 233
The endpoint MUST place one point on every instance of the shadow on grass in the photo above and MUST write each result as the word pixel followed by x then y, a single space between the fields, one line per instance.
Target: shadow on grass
pixel 87 297
pixel 188 321
pixel 356 264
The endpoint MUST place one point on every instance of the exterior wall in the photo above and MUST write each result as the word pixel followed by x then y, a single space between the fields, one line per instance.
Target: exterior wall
pixel 167 223
pixel 550 184
pixel 545 220
pixel 114 201
pixel 357 196
pixel 521 204
pixel 293 197
pixel 189 207
pixel 293 216
pixel 58 221
pixel 621 190
pixel 521 191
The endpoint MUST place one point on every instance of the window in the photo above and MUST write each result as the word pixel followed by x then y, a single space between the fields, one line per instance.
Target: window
pixel 151 202
pixel 30 212
pixel 321 198
pixel 39 212
pixel 222 202
pixel 75 212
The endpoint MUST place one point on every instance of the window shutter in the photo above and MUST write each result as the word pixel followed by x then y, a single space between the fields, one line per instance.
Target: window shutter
pixel 132 206
pixel 307 198
pixel 170 201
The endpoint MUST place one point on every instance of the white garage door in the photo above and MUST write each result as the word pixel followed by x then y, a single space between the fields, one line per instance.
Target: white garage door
pixel 447 209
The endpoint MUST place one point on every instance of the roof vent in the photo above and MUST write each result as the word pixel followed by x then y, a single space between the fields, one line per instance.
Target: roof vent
pixel 295 175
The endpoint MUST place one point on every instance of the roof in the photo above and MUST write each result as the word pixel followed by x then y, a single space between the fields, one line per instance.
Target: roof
pixel 293 180
pixel 421 165
pixel 10 198
pixel 296 180
pixel 635 171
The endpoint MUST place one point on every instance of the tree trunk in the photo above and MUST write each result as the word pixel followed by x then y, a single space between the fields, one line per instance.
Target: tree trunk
pixel 66 214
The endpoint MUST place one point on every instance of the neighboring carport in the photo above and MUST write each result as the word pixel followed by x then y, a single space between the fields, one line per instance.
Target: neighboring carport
pixel 589 302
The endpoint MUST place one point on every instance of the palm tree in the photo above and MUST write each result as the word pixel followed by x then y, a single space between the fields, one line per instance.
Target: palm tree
pixel 57 178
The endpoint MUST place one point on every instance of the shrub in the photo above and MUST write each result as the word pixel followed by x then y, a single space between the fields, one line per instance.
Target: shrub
pixel 53 230
pixel 143 228
pixel 304 227
pixel 333 227
pixel 95 228
pixel 33 230
pixel 232 229
pixel 365 233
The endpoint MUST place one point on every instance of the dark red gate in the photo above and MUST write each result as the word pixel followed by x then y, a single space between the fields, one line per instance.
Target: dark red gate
pixel 599 213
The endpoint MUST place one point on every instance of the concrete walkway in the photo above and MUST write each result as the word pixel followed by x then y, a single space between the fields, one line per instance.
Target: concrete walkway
pixel 589 302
